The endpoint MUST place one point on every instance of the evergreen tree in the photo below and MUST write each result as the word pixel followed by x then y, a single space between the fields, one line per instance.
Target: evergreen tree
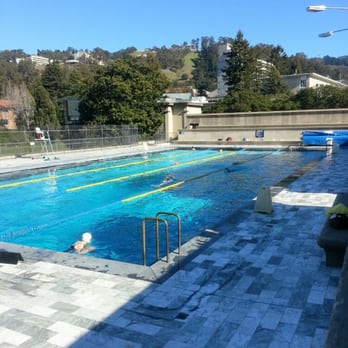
pixel 274 55
pixel 53 81
pixel 241 66
pixel 204 74
pixel 27 71
pixel 273 84
pixel 44 112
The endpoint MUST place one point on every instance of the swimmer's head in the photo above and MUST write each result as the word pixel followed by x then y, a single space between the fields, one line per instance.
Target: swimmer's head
pixel 87 237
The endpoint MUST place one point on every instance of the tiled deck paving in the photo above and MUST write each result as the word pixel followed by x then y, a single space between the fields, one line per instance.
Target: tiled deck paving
pixel 263 283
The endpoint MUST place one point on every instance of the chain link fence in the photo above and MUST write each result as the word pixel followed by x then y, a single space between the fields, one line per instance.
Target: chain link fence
pixel 68 138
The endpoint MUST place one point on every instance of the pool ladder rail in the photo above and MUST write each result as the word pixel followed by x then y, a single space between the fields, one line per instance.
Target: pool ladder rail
pixel 159 220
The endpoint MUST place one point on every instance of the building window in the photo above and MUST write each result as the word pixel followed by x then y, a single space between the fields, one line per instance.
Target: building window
pixel 303 83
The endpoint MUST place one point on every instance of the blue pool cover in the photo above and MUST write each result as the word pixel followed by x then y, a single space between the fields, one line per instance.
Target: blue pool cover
pixel 339 137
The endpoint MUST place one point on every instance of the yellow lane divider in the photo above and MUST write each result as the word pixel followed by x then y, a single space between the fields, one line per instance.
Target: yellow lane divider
pixel 99 183
pixel 168 187
pixel 153 191
pixel 52 177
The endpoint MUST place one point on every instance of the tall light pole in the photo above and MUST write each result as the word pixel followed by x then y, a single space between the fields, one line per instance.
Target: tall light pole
pixel 320 8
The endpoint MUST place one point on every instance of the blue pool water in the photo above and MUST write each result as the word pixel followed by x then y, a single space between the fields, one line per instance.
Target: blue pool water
pixel 110 199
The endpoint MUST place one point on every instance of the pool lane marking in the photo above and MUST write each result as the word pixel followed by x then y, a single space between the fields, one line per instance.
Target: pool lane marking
pixel 164 188
pixel 32 181
pixel 99 183
pixel 51 177
pixel 168 187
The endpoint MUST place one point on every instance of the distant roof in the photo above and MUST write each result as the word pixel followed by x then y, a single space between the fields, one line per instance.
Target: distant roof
pixel 6 104
pixel 184 98
pixel 72 61
pixel 179 96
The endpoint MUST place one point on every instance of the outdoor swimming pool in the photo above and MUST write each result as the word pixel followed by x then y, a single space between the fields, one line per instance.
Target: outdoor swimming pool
pixel 110 199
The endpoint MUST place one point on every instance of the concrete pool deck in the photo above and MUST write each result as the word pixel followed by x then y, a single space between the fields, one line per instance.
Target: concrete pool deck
pixel 262 283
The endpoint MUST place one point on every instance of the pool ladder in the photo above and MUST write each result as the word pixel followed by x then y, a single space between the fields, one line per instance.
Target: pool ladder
pixel 159 220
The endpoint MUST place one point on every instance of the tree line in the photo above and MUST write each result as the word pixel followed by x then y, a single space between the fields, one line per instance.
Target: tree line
pixel 125 87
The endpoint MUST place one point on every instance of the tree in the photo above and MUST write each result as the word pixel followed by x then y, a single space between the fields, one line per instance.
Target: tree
pixel 322 97
pixel 27 71
pixel 241 66
pixel 53 81
pixel 172 58
pixel 126 92
pixel 273 84
pixel 204 73
pixel 44 112
pixel 100 56
pixel 241 101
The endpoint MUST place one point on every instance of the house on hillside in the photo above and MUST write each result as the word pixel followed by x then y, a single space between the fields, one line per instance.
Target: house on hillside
pixel 296 82
pixel 37 60
pixel 7 114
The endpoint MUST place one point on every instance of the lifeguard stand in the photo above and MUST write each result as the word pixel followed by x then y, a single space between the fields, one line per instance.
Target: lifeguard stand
pixel 44 140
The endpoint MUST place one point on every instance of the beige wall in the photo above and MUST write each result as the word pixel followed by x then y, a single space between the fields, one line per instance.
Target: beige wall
pixel 9 116
pixel 175 117
pixel 277 126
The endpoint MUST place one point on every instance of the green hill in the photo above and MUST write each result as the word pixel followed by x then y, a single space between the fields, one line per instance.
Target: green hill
pixel 183 74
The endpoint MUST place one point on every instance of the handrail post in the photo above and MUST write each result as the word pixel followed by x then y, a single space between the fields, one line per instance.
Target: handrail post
pixel 144 241
pixel 157 241
pixel 157 220
pixel 178 225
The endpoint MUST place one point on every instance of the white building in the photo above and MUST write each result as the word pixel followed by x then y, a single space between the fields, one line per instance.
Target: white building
pixel 296 82
pixel 38 60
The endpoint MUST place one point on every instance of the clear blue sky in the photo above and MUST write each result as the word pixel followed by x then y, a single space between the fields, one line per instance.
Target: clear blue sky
pixel 117 24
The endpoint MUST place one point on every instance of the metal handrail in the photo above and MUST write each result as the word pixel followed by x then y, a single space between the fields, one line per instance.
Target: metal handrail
pixel 178 225
pixel 157 237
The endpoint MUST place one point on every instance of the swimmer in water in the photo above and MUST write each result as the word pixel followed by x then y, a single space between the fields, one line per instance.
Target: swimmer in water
pixel 169 178
pixel 82 246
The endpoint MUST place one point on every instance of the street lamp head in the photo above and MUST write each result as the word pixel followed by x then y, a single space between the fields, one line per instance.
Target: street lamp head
pixel 331 32
pixel 320 8
pixel 327 34
pixel 316 8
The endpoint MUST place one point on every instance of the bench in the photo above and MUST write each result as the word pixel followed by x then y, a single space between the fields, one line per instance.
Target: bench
pixel 334 241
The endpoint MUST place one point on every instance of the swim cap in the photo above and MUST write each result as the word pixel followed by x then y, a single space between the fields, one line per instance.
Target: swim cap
pixel 86 237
